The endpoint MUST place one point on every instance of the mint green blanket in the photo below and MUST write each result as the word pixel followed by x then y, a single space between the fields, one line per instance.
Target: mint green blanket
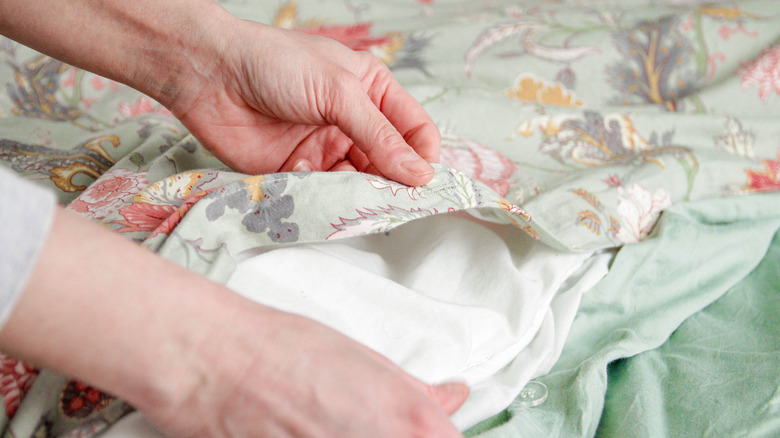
pixel 682 338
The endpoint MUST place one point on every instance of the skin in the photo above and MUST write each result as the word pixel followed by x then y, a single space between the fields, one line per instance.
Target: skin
pixel 196 358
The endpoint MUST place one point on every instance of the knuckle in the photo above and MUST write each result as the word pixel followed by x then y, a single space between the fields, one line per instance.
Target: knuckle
pixel 369 59
pixel 387 138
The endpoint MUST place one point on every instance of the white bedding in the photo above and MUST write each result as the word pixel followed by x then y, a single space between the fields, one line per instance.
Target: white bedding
pixel 495 318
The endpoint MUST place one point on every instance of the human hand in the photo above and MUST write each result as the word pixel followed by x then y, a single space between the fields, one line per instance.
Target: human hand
pixel 284 100
pixel 201 361
pixel 270 373
pixel 261 99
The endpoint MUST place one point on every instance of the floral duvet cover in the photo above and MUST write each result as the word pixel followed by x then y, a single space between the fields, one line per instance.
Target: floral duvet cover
pixel 581 123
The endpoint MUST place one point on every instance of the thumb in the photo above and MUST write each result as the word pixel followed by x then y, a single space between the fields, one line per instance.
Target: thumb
pixel 449 395
pixel 380 141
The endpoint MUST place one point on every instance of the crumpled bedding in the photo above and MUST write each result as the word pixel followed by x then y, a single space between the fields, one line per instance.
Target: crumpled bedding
pixel 680 338
pixel 495 317
pixel 578 124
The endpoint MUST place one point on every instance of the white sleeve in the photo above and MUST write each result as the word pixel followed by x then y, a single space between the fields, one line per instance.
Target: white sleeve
pixel 26 215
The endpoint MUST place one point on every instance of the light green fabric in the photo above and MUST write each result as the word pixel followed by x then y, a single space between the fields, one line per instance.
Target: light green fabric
pixel 716 371
pixel 717 375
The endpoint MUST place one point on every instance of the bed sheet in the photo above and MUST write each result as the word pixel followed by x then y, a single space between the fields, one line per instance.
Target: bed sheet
pixel 672 342
pixel 578 123
pixel 495 319
pixel 716 375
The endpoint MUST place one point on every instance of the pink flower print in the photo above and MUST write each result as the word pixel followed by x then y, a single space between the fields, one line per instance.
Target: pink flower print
pixel 764 180
pixel 97 83
pixel 478 162
pixel 143 105
pixel 356 36
pixel 764 72
pixel 157 218
pixel 613 181
pixel 70 79
pixel 638 210
pixel 712 61
pixel 144 217
pixel 110 192
pixel 16 378
pixel 726 32
pixel 87 102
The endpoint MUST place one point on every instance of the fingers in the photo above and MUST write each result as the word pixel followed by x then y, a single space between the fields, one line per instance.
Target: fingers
pixel 343 166
pixel 406 114
pixel 384 147
pixel 302 165
pixel 319 150
pixel 450 395
pixel 358 115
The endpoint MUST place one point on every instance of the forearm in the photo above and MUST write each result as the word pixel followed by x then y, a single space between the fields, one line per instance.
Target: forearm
pixel 153 46
pixel 199 360
pixel 103 309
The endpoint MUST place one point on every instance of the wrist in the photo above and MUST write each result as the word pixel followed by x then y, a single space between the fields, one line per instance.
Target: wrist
pixel 149 320
pixel 159 48
pixel 181 54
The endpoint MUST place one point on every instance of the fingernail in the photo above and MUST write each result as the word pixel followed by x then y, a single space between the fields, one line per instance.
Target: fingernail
pixel 301 166
pixel 453 387
pixel 417 166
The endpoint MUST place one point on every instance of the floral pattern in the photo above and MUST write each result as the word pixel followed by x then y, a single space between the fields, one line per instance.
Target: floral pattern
pixel 530 89
pixel 527 32
pixel 763 72
pixel 159 207
pixel 262 203
pixel 394 49
pixel 656 64
pixel 16 378
pixel 376 220
pixel 638 209
pixel 108 193
pixel 479 162
pixel 736 140
pixel 766 179
pixel 578 124
pixel 80 400
pixel 63 168
pixel 34 91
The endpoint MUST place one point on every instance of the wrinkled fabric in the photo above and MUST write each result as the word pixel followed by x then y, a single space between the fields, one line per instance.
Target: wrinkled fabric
pixel 494 319
pixel 629 357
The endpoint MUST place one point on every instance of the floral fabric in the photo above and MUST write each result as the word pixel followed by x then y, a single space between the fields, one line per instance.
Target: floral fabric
pixel 578 122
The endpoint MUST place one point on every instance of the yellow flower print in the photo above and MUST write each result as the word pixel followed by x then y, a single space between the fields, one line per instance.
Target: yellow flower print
pixel 286 16
pixel 531 89
pixel 174 187
pixel 725 13
pixel 254 185
pixel 547 125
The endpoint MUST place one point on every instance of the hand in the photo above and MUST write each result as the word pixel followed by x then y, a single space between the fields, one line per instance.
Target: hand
pixel 269 373
pixel 202 361
pixel 284 100
pixel 261 99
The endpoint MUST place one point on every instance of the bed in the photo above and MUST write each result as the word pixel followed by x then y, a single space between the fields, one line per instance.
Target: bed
pixel 598 253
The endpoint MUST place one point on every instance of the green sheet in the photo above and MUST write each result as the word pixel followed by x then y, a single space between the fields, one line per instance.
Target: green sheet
pixel 717 375
pixel 682 338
